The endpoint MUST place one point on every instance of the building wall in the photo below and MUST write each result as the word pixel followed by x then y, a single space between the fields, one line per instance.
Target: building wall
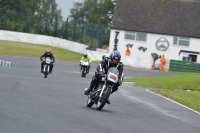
pixel 141 59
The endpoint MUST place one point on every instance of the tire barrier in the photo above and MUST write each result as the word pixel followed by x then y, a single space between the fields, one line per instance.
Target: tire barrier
pixel 5 63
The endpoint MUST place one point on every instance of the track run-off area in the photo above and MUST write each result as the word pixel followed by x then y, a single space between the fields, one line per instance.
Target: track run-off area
pixel 29 103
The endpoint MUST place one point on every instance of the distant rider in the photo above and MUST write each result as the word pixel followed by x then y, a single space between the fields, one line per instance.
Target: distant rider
pixel 45 55
pixel 106 63
pixel 86 57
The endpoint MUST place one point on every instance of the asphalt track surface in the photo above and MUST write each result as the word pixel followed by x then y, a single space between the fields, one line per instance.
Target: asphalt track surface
pixel 29 103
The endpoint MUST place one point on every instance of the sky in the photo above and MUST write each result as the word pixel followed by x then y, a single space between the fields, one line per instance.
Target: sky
pixel 65 6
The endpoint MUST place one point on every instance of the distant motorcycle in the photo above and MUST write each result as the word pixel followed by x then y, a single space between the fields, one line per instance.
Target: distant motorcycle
pixel 46 67
pixel 84 68
pixel 100 94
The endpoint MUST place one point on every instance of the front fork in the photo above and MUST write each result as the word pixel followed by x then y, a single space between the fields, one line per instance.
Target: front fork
pixel 44 68
pixel 103 88
pixel 48 68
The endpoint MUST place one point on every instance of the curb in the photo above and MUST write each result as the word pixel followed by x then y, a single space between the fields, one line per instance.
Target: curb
pixel 134 84
pixel 5 63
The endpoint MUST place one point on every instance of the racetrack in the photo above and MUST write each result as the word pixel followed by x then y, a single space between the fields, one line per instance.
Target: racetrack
pixel 29 103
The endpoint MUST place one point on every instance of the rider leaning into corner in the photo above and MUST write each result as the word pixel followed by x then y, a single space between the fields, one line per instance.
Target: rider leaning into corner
pixel 106 63
pixel 45 55
pixel 88 58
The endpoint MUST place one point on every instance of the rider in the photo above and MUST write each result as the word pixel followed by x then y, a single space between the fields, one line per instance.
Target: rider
pixel 45 55
pixel 106 63
pixel 85 56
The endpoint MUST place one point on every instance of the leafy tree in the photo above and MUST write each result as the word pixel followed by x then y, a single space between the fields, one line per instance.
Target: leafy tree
pixel 94 13
pixel 28 15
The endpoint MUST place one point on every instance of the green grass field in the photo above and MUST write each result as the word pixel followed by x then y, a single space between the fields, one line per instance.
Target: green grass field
pixel 175 87
pixel 31 50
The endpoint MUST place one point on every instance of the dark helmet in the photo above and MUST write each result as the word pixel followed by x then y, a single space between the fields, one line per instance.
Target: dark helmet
pixel 85 55
pixel 115 57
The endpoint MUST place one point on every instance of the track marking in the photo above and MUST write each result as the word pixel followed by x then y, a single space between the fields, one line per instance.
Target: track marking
pixel 172 101
pixel 154 106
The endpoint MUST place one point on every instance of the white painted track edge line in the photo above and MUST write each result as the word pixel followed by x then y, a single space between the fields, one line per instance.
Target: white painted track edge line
pixel 173 101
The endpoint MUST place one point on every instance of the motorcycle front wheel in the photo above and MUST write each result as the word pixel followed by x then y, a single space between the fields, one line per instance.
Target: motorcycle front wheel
pixel 45 72
pixel 83 72
pixel 102 100
pixel 89 102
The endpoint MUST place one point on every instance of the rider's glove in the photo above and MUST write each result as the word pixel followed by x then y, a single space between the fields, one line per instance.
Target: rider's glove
pixel 104 57
pixel 119 82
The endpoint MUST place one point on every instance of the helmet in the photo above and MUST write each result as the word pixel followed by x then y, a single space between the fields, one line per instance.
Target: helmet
pixel 48 50
pixel 115 57
pixel 85 55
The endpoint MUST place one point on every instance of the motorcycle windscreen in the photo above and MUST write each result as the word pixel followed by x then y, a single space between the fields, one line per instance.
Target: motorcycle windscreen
pixel 85 63
pixel 48 60
pixel 113 75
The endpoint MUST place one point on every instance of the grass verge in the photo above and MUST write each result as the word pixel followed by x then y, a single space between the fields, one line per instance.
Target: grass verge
pixel 175 87
pixel 32 50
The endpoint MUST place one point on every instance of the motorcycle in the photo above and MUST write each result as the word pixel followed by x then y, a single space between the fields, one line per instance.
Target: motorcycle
pixel 84 67
pixel 100 95
pixel 46 67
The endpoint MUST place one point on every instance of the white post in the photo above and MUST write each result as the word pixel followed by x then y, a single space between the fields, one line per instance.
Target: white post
pixel 167 65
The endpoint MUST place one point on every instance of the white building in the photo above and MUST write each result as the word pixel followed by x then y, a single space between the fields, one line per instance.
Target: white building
pixel 169 27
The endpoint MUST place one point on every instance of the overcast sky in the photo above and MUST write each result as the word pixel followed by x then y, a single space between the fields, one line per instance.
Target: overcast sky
pixel 65 6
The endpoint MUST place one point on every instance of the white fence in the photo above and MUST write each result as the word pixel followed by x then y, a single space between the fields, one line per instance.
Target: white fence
pixel 51 41
pixel 69 45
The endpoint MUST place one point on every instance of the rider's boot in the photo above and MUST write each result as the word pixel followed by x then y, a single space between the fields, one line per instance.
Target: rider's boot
pixel 42 66
pixel 88 90
pixel 108 101
pixel 50 71
pixel 88 71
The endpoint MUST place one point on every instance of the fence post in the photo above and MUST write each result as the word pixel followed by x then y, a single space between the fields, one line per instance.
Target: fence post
pixel 101 36
pixel 56 27
pixel 93 29
pixel 45 27
pixel 26 30
pixel 49 28
pixel 82 29
pixel 74 37
pixel 66 29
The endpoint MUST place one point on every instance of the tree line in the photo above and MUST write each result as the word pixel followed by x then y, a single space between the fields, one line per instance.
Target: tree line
pixel 94 13
pixel 28 15
pixel 88 23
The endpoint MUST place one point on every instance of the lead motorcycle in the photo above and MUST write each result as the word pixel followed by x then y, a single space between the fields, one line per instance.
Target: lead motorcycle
pixel 100 95
pixel 46 67
pixel 84 68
